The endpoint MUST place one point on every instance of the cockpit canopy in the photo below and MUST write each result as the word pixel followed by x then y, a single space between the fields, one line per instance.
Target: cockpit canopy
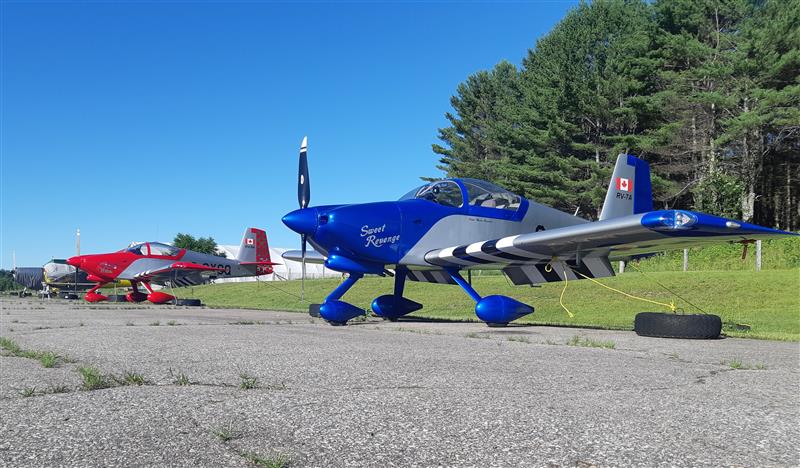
pixel 153 248
pixel 478 193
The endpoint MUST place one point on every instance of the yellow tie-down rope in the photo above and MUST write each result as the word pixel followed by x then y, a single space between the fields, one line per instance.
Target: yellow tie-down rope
pixel 549 267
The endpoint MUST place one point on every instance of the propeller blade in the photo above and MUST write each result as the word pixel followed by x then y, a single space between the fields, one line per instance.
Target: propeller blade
pixel 303 186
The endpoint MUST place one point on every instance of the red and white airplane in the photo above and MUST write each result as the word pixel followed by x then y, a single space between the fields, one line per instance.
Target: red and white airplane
pixel 149 263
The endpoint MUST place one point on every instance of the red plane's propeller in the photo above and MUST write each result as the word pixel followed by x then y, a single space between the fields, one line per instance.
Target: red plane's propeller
pixel 303 198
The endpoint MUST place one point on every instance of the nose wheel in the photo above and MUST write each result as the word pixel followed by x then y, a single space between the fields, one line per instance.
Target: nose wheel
pixel 338 312
pixel 93 296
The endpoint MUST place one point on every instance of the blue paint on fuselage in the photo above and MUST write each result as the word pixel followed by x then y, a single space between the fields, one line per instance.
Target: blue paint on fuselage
pixel 384 232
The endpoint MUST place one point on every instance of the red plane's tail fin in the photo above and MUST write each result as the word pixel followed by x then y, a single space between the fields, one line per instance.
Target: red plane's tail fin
pixel 254 248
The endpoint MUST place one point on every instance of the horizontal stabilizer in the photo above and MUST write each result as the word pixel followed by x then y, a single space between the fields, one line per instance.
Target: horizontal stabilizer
pixel 312 256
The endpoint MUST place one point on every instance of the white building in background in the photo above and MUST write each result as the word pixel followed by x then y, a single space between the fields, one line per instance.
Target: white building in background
pixel 287 270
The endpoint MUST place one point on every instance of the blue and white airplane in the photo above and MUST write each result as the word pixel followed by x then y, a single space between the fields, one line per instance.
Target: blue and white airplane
pixel 436 231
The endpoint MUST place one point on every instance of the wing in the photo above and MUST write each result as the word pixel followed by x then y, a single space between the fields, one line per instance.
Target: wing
pixel 620 238
pixel 179 273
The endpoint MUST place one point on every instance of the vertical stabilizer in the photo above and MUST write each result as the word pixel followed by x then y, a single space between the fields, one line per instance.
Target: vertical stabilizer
pixel 629 191
pixel 254 248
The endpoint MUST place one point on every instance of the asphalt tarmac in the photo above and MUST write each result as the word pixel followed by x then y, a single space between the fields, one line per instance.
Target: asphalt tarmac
pixel 382 394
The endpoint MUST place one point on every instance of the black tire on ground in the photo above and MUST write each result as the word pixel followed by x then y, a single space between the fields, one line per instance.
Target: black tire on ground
pixel 117 298
pixel 668 325
pixel 313 310
pixel 68 296
pixel 188 302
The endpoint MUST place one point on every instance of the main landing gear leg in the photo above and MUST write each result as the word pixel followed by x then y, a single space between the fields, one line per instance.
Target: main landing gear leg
pixel 136 295
pixel 495 310
pixel 157 297
pixel 393 306
pixel 92 296
pixel 338 312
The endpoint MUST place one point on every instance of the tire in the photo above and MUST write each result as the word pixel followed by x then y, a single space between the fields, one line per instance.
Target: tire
pixel 68 296
pixel 668 325
pixel 117 298
pixel 188 302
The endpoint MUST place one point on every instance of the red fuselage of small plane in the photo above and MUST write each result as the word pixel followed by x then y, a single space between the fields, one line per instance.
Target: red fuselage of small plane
pixel 153 262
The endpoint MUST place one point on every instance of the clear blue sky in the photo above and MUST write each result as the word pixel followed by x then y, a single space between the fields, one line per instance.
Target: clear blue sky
pixel 138 120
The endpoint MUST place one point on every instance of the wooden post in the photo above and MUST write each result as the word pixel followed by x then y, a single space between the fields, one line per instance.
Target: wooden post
pixel 621 266
pixel 685 259
pixel 758 255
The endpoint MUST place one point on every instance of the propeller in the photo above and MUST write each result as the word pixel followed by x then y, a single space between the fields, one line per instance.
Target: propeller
pixel 303 198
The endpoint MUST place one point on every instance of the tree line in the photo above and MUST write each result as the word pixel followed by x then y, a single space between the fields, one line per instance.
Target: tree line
pixel 706 91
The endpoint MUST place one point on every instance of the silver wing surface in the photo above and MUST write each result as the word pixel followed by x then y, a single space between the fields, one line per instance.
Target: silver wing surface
pixel 179 274
pixel 622 238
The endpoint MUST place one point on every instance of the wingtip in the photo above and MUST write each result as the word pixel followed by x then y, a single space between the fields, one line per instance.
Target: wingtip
pixel 304 144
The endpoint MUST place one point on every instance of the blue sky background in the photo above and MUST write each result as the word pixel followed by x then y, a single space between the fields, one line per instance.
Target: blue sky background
pixel 135 121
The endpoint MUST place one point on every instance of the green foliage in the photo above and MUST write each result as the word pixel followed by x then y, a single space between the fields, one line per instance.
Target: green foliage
pixel 47 359
pixel 585 342
pixel 776 254
pixel 93 379
pixel 7 281
pixel 706 91
pixel 205 245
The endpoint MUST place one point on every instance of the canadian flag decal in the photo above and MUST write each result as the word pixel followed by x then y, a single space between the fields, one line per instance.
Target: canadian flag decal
pixel 251 241
pixel 625 185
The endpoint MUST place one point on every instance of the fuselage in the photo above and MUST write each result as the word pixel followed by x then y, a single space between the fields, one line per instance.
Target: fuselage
pixel 126 264
pixel 449 212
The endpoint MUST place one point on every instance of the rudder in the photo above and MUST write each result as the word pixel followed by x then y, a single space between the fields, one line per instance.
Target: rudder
pixel 629 191
pixel 254 248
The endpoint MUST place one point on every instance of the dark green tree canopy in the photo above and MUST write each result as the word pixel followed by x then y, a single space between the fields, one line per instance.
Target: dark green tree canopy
pixel 201 244
pixel 707 91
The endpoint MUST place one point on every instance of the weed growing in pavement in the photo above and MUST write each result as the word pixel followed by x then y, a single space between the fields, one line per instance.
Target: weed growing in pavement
pixel 131 378
pixel 128 324
pixel 226 434
pixel 155 324
pixel 278 460
pixel 520 339
pixel 48 359
pixel 581 341
pixel 413 330
pixel 28 392
pixel 246 322
pixel 172 323
pixel 93 379
pixel 9 345
pixel 247 382
pixel 180 379
pixel 737 364
pixel 477 335
pixel 58 389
